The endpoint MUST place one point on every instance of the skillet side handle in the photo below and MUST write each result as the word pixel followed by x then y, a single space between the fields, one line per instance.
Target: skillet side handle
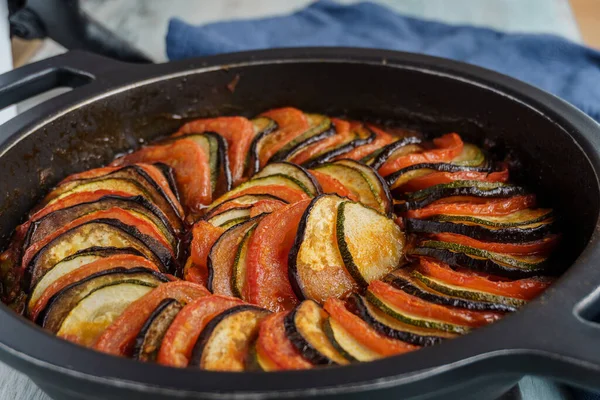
pixel 72 69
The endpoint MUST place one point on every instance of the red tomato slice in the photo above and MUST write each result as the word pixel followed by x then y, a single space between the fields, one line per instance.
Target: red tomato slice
pixel 119 337
pixel 204 236
pixel 179 341
pixel 238 132
pixel 291 121
pixel 488 207
pixel 382 138
pixel 331 185
pixel 283 192
pixel 72 200
pixel 268 284
pixel 525 289
pixel 190 163
pixel 118 260
pixel 448 146
pixel 542 246
pixel 342 133
pixel 437 178
pixel 144 226
pixel 265 206
pixel 362 331
pixel 416 306
pixel 273 342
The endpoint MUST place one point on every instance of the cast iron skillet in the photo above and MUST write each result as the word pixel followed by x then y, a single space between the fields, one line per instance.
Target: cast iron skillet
pixel 116 106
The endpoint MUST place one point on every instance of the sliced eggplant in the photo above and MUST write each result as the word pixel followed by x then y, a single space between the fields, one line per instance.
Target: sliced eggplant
pixel 392 328
pixel 315 265
pixel 233 214
pixel 346 344
pixel 293 171
pixel 376 184
pixel 522 218
pixel 304 329
pixel 99 233
pixel 169 175
pixel 404 175
pixel 481 189
pixel 426 288
pixel 61 304
pixel 222 257
pixel 263 127
pixel 148 341
pixel 224 343
pixel 241 201
pixel 238 277
pixel 458 255
pixel 320 128
pixel 371 244
pixel 403 146
pixel 72 263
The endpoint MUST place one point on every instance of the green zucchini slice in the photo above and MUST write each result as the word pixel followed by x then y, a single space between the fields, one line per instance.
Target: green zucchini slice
pixel 405 145
pixel 233 214
pixel 293 171
pixel 346 344
pixel 371 244
pixel 304 329
pixel 471 156
pixel 404 175
pixel 320 128
pixel 238 277
pixel 263 127
pixel 148 341
pixel 224 343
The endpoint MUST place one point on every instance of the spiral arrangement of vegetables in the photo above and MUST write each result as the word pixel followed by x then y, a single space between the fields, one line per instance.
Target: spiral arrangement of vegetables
pixel 287 241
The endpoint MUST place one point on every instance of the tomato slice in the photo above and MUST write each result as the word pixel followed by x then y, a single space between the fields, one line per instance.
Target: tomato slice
pixel 342 133
pixel 525 289
pixel 144 226
pixel 265 206
pixel 382 138
pixel 291 121
pixel 363 333
pixel 180 338
pixel 283 192
pixel 190 163
pixel 119 337
pixel 331 185
pixel 267 279
pixel 542 246
pixel 237 131
pixel 437 178
pixel 118 260
pixel 273 342
pixel 204 236
pixel 416 306
pixel 466 207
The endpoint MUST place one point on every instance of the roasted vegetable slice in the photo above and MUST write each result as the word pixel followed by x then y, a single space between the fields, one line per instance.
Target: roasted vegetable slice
pixel 320 127
pixel 371 244
pixel 235 215
pixel 542 246
pixel 243 201
pixel 292 171
pixel 382 138
pixel 316 267
pixel 151 335
pixel 376 184
pixel 169 175
pixel 275 348
pixel 350 348
pixel 331 185
pixel 458 255
pixel 240 267
pixel 400 147
pixel 119 337
pixel 304 329
pixel 291 123
pixel 225 341
pixel 420 171
pixel 263 127
pixel 462 207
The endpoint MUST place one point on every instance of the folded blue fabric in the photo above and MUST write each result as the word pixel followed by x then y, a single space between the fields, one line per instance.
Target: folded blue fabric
pixel 563 68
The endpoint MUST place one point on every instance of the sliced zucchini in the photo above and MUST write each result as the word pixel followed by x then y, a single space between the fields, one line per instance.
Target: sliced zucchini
pixel 320 128
pixel 371 244
pixel 61 304
pixel 346 344
pixel 361 135
pixel 404 175
pixel 148 341
pixel 315 265
pixel 70 264
pixel 471 156
pixel 482 189
pixel 99 233
pixel 277 179
pixel 471 295
pixel 233 214
pixel 234 222
pixel 522 218
pixel 403 146
pixel 411 319
pixel 458 255
pixel 423 287
pixel 222 257
pixel 244 200
pixel 224 344
pixel 238 277
pixel 392 328
pixel 376 184
pixel 293 171
pixel 94 313
pixel 304 329
pixel 263 127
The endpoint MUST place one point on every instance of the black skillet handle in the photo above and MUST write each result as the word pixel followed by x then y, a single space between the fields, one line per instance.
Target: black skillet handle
pixel 72 69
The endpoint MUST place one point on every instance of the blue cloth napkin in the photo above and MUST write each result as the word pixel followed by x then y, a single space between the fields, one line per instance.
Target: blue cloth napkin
pixel 563 68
